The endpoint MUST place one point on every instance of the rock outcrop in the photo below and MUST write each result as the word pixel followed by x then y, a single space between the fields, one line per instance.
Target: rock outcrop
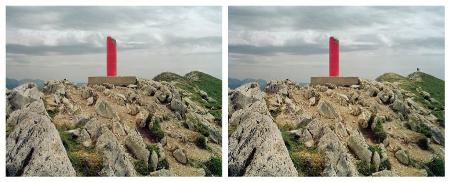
pixel 256 148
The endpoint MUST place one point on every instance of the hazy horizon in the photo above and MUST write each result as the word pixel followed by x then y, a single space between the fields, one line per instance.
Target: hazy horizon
pixel 70 42
pixel 292 42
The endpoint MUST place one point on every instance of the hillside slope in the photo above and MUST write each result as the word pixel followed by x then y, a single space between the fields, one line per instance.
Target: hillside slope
pixel 426 89
pixel 153 128
pixel 372 129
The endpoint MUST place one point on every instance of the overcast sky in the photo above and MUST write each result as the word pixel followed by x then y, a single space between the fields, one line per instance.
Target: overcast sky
pixel 292 42
pixel 70 42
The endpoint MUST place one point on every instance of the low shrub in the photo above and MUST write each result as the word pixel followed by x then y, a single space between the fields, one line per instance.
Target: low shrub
pixel 436 167
pixel 141 167
pixel 423 143
pixel 156 131
pixel 379 133
pixel 202 142
pixel 365 168
pixel 213 167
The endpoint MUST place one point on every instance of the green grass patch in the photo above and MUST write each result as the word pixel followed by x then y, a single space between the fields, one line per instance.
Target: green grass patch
pixel 85 160
pixel 213 167
pixel 436 167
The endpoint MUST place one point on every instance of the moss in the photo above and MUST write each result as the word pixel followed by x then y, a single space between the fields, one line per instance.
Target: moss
pixel 141 167
pixel 436 167
pixel 423 143
pixel 213 167
pixel 202 142
pixel 379 133
pixel 156 131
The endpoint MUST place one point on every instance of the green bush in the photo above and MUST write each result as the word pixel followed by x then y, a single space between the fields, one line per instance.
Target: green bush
pixel 163 165
pixel 379 132
pixel 385 165
pixel 423 143
pixel 213 167
pixel 424 129
pixel 436 167
pixel 365 168
pixel 202 142
pixel 141 167
pixel 156 131
pixel 202 128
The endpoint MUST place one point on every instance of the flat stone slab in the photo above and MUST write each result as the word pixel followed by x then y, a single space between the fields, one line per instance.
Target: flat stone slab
pixel 115 80
pixel 338 81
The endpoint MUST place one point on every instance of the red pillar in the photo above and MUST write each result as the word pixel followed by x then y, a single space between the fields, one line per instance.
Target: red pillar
pixel 111 57
pixel 334 57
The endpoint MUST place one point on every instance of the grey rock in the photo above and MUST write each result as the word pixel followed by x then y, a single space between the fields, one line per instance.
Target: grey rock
pixel 90 101
pixel 141 118
pixel 153 163
pixel 135 144
pixel 402 157
pixel 180 156
pixel 384 173
pixel 358 145
pixel 116 162
pixel 162 173
pixel 327 110
pixel 178 106
pixel 27 149
pixel 376 161
pixel 133 109
pixel 104 109
pixel 364 118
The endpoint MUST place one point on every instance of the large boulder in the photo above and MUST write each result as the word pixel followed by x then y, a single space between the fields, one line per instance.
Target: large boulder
pixel 327 110
pixel 34 148
pixel 23 95
pixel 358 145
pixel 104 109
pixel 116 161
pixel 180 156
pixel 178 106
pixel 337 159
pixel 135 144
pixel 402 156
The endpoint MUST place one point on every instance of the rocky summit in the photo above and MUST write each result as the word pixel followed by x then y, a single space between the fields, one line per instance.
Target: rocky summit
pixel 377 128
pixel 159 127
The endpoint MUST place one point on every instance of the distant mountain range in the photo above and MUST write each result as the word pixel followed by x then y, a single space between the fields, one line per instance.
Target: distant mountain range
pixel 13 83
pixel 235 83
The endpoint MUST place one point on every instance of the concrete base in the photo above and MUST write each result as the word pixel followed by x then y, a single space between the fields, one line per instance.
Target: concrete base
pixel 117 80
pixel 338 81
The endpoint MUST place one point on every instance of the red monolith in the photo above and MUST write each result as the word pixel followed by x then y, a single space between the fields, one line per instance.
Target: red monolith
pixel 111 57
pixel 334 57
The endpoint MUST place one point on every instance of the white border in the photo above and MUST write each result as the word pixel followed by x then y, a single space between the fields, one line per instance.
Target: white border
pixel 224 4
